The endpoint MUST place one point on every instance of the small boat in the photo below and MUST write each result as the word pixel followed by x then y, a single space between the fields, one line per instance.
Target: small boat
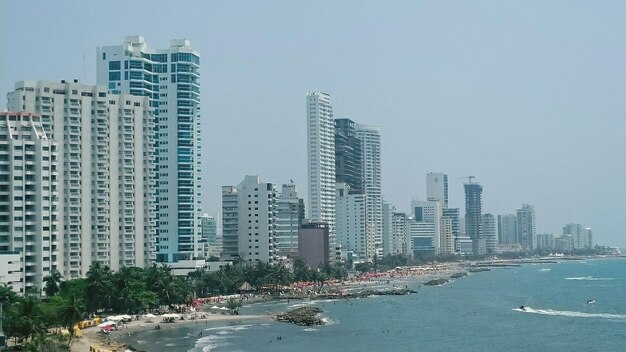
pixel 522 308
pixel 590 301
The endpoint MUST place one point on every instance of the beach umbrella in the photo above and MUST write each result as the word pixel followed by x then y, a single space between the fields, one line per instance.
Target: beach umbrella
pixel 105 324
pixel 150 315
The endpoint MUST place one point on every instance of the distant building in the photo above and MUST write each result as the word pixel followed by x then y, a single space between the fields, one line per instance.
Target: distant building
pixel 372 183
pixel 352 234
pixel 545 241
pixel 508 247
pixel 489 232
pixel 507 229
pixel 454 215
pixel 252 203
pixel 321 160
pixel 588 238
pixel 526 227
pixel 348 155
pixel 437 188
pixel 564 243
pixel 314 244
pixel 209 235
pixel 473 214
pixel 425 227
pixel 578 234
pixel 289 218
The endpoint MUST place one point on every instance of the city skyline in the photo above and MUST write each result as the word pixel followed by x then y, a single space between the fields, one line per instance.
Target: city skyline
pixel 540 138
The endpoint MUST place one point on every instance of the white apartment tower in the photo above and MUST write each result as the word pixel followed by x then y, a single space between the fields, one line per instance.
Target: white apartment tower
pixel 425 226
pixel 351 223
pixel 29 200
pixel 489 232
pixel 321 160
pixel 253 204
pixel 170 78
pixel 372 186
pixel 526 234
pixel 105 153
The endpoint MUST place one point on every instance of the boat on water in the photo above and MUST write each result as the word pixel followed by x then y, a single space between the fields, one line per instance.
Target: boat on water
pixel 590 301
pixel 522 308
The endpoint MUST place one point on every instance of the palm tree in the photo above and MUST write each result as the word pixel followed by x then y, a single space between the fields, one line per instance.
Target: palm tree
pixel 99 287
pixel 53 283
pixel 71 313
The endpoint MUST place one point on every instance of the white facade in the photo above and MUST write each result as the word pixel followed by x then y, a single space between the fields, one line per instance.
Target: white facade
pixel 526 233
pixel 255 233
pixel 447 238
pixel 105 149
pixel 372 183
pixel 289 217
pixel 489 232
pixel 437 188
pixel 170 79
pixel 426 222
pixel 321 160
pixel 351 217
pixel 12 271
pixel 29 202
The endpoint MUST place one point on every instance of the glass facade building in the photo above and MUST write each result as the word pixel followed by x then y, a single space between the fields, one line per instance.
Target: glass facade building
pixel 170 78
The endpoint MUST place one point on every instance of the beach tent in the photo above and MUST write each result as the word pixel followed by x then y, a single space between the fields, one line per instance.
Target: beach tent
pixel 246 287
pixel 150 315
pixel 106 323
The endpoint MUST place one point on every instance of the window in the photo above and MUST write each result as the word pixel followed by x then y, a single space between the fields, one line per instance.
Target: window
pixel 114 65
pixel 114 76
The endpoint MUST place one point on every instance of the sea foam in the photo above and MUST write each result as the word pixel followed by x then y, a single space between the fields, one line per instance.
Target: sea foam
pixel 566 313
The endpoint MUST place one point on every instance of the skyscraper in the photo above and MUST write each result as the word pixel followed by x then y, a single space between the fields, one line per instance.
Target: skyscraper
pixel 437 188
pixel 170 78
pixel 425 227
pixel 473 215
pixel 372 184
pixel 321 161
pixel 348 155
pixel 105 149
pixel 29 200
pixel 526 227
pixel 209 236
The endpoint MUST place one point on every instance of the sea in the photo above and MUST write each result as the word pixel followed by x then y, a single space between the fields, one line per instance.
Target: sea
pixel 480 312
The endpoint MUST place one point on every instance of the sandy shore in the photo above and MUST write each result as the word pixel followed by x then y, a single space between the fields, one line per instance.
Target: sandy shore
pixel 94 338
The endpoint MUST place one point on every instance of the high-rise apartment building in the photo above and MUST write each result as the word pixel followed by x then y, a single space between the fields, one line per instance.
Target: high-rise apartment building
pixel 348 155
pixel 252 237
pixel 105 152
pixel 372 183
pixel 473 215
pixel 170 79
pixel 507 229
pixel 545 241
pixel 351 223
pixel 321 161
pixel 437 188
pixel 489 232
pixel 289 217
pixel 526 227
pixel 29 201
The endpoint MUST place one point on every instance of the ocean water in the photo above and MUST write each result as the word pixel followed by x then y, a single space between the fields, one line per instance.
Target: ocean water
pixel 476 313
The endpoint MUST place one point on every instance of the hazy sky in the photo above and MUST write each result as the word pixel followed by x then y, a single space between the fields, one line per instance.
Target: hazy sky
pixel 529 97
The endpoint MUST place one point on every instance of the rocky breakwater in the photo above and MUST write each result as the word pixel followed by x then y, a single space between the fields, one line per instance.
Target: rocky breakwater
pixel 437 282
pixel 305 316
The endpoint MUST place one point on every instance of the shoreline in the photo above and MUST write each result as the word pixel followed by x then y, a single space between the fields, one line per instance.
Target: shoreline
pixel 92 337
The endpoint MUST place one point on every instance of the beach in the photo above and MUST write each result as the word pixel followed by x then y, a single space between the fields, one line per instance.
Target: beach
pixel 399 278
pixel 92 337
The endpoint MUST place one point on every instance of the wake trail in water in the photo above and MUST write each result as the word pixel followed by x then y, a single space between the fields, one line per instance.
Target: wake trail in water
pixel 566 313
pixel 590 278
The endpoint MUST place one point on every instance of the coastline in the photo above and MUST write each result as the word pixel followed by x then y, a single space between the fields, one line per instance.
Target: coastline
pixel 105 343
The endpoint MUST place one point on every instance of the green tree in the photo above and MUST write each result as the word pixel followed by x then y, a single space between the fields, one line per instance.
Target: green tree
pixel 72 312
pixel 100 291
pixel 53 283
